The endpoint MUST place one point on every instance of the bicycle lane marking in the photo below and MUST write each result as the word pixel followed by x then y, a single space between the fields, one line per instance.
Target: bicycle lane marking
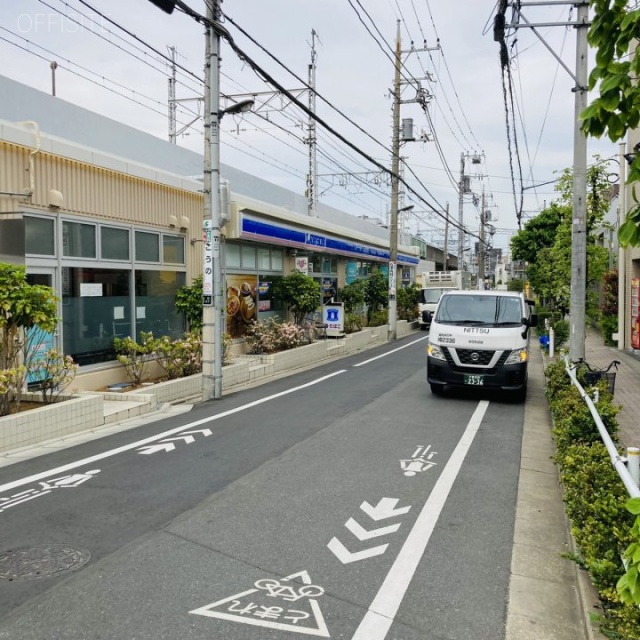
pixel 382 612
pixel 113 452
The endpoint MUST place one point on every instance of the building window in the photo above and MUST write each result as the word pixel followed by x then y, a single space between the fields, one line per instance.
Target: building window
pixel 248 257
pixel 232 256
pixel 39 235
pixel 173 249
pixel 78 240
pixel 147 247
pixel 114 244
pixel 95 309
pixel 155 303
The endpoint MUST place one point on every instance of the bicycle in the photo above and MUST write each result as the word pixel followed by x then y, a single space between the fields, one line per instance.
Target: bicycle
pixel 593 375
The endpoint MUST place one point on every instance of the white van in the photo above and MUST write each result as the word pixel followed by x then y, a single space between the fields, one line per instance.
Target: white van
pixel 480 339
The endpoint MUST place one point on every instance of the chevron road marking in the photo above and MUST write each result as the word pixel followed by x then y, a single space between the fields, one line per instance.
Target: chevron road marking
pixel 362 534
pixel 346 557
pixel 384 509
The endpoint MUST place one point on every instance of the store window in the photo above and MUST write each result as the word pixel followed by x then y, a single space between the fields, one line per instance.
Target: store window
pixel 39 236
pixel 78 239
pixel 95 308
pixel 172 249
pixel 247 257
pixel 147 246
pixel 155 303
pixel 232 256
pixel 114 244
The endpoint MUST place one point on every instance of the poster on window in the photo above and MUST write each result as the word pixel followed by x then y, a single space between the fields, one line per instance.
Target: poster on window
pixel 241 303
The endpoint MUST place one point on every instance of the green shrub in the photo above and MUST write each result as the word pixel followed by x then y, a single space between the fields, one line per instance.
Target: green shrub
pixel 378 318
pixel 133 356
pixel 602 523
pixel 561 332
pixel 273 336
pixel 353 322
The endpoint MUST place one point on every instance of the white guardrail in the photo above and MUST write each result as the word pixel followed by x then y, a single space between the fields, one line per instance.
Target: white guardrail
pixel 628 474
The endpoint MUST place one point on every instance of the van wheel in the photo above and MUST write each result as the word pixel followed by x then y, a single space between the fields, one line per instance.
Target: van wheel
pixel 437 389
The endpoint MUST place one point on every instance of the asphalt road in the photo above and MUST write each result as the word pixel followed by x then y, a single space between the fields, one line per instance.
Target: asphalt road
pixel 342 502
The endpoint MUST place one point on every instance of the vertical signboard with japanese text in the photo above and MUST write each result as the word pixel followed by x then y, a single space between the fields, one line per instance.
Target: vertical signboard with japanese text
pixel 207 268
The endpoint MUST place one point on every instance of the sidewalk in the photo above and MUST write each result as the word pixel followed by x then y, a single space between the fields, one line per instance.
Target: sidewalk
pixel 627 388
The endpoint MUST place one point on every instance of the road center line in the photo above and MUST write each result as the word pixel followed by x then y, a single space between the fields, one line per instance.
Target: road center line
pixel 378 620
pixel 107 454
pixel 404 346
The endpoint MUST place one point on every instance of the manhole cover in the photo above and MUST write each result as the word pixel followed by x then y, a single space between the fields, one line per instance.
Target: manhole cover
pixel 28 563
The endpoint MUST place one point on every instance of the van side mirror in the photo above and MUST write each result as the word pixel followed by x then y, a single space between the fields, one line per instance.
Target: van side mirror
pixel 533 320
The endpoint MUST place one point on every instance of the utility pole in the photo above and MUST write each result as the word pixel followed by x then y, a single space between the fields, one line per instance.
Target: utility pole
pixel 54 65
pixel 446 239
pixel 212 268
pixel 577 334
pixel 395 166
pixel 172 97
pixel 622 277
pixel 313 162
pixel 481 246
pixel 461 192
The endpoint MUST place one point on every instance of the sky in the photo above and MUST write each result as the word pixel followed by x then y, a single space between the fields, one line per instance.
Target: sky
pixel 114 56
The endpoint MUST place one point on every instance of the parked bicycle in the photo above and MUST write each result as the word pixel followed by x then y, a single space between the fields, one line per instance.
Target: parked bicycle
pixel 593 375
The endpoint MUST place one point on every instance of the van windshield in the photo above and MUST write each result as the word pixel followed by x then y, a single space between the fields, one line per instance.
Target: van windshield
pixel 473 309
pixel 432 295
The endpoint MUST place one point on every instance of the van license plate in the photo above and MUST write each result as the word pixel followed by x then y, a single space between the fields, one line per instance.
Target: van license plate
pixel 474 380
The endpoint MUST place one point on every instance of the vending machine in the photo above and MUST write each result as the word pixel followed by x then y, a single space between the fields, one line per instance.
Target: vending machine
pixel 635 313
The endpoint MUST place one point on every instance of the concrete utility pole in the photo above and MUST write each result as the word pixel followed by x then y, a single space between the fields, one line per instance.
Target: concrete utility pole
pixel 395 166
pixel 172 97
pixel 481 246
pixel 461 193
pixel 579 227
pixel 212 268
pixel 312 178
pixel 622 276
pixel 446 240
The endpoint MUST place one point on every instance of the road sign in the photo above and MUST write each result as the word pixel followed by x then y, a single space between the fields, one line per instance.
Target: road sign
pixel 283 604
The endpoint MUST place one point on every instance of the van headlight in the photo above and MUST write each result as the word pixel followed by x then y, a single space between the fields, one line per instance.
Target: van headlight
pixel 435 351
pixel 518 356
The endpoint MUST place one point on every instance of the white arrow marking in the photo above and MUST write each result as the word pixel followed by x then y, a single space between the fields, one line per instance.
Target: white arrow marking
pixel 362 534
pixel 345 556
pixel 204 432
pixel 384 509
pixel 187 439
pixel 154 448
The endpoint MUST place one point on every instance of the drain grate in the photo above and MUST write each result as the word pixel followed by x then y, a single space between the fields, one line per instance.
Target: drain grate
pixel 46 561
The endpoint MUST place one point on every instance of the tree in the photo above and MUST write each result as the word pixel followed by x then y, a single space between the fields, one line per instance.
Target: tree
pixel 613 33
pixel 545 242
pixel 189 302
pixel 352 295
pixel 300 293
pixel 22 307
pixel 538 233
pixel 376 294
pixel 408 302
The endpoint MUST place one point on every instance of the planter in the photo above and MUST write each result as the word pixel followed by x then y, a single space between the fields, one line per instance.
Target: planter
pixel 75 413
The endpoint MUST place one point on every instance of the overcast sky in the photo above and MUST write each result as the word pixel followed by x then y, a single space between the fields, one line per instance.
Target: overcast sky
pixel 106 70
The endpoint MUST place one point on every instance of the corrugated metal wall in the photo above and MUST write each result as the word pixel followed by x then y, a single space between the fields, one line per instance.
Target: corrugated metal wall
pixel 100 193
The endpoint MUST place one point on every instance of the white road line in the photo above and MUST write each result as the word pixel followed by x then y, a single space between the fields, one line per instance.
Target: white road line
pixel 378 620
pixel 134 445
pixel 404 346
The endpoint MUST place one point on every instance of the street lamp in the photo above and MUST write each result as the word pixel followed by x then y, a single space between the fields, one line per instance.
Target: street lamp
pixel 393 261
